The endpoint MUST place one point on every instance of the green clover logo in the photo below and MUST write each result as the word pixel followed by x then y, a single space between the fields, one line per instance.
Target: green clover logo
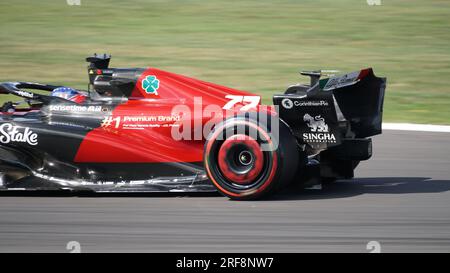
pixel 150 84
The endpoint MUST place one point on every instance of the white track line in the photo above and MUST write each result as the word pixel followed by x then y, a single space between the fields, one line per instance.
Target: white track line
pixel 416 127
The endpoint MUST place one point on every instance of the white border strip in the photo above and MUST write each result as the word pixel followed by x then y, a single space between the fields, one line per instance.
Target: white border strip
pixel 416 127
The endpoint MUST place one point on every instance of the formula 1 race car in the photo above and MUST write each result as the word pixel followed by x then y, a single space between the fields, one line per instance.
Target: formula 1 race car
pixel 148 130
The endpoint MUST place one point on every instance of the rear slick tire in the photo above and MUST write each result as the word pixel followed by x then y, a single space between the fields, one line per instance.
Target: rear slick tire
pixel 238 166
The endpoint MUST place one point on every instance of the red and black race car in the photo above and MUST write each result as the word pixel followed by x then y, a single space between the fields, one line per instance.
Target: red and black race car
pixel 148 130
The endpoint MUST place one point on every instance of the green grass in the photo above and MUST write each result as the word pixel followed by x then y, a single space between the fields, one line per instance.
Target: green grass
pixel 257 45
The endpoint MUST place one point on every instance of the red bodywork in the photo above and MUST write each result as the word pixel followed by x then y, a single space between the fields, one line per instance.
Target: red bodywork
pixel 127 139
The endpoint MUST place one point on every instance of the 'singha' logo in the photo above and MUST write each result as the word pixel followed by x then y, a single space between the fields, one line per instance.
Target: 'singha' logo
pixel 150 84
pixel 319 130
pixel 10 133
pixel 317 123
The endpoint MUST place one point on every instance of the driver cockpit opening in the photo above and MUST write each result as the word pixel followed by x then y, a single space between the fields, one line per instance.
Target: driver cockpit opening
pixel 105 85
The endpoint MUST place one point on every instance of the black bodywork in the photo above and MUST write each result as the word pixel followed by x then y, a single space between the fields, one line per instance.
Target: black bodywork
pixel 353 113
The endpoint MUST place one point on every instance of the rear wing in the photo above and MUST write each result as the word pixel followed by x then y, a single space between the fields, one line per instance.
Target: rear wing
pixel 360 97
pixel 354 100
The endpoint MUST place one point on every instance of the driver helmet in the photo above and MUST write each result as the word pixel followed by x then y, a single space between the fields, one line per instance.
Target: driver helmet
pixel 69 94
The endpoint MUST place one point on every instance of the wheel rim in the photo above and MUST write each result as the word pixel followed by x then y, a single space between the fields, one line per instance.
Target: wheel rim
pixel 240 159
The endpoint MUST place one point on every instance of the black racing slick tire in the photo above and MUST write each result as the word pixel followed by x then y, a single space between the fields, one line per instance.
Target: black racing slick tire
pixel 248 158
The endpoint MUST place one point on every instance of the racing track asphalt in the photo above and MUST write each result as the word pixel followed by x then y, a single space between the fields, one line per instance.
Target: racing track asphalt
pixel 401 199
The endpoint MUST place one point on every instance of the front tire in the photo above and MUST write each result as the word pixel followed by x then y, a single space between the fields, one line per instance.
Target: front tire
pixel 240 168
